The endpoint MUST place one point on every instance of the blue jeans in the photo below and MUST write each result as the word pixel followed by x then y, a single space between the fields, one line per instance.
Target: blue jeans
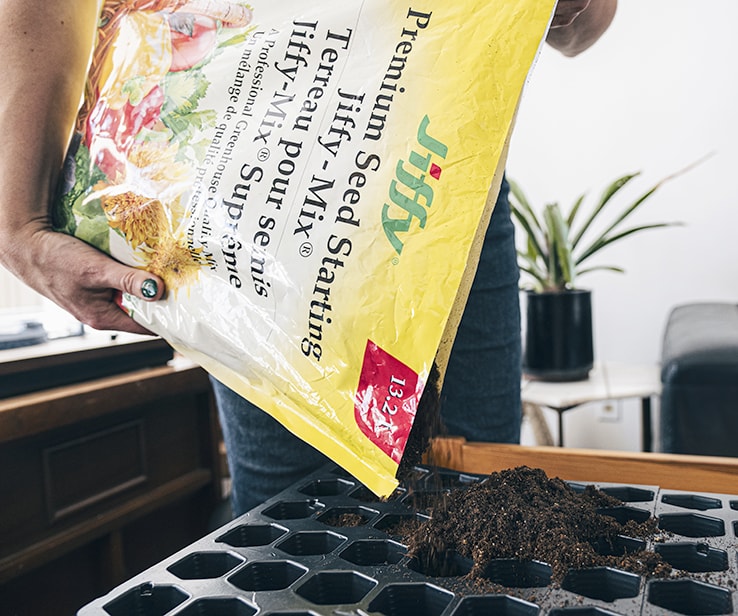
pixel 480 398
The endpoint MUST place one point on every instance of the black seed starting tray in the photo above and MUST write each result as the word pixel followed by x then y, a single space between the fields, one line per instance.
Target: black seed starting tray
pixel 326 547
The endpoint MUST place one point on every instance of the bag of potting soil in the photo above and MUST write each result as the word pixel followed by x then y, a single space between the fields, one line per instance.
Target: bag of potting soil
pixel 311 180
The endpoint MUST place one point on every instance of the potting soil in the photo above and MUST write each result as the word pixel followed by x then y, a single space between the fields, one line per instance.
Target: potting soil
pixel 523 514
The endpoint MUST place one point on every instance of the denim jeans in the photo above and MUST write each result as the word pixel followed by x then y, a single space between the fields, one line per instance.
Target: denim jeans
pixel 480 398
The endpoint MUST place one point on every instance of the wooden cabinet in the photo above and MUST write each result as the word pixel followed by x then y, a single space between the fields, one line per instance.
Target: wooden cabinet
pixel 101 479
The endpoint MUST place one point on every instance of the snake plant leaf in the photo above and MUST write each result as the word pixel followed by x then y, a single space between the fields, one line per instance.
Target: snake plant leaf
pixel 554 252
pixel 604 241
pixel 523 205
pixel 563 247
pixel 532 262
pixel 609 192
pixel 551 261
pixel 536 274
pixel 626 213
pixel 532 255
pixel 525 215
pixel 574 210
pixel 535 246
pixel 598 243
pixel 609 268
pixel 535 270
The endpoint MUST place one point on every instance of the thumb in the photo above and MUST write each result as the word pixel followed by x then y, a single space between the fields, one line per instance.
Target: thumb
pixel 140 283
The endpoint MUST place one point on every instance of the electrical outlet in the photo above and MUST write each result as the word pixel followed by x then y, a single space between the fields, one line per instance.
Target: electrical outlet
pixel 609 412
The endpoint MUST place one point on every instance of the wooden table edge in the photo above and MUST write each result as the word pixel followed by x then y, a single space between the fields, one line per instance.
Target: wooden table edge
pixel 668 471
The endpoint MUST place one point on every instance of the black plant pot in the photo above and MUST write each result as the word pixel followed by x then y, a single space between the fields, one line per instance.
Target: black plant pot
pixel 557 343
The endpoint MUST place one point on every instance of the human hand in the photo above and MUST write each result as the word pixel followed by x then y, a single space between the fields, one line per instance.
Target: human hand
pixel 44 73
pixel 567 11
pixel 81 279
pixel 578 24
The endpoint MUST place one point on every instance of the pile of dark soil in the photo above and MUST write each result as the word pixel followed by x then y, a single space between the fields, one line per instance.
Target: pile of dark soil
pixel 524 515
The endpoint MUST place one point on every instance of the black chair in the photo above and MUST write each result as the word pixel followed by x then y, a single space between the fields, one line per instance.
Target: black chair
pixel 699 375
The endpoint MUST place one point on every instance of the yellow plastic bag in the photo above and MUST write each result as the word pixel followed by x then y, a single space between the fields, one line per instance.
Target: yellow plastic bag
pixel 310 179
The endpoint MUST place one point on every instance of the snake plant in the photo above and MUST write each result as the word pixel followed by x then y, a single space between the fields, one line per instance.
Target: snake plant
pixel 559 244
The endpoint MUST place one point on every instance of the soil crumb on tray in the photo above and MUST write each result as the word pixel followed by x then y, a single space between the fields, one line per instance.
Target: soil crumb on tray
pixel 345 520
pixel 524 515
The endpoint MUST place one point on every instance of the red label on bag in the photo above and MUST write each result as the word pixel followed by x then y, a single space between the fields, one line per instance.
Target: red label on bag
pixel 386 400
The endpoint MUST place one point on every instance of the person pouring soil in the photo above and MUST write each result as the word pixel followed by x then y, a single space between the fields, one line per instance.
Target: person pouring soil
pixel 45 65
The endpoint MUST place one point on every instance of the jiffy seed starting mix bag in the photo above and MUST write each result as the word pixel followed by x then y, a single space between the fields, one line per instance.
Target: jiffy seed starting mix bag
pixel 311 180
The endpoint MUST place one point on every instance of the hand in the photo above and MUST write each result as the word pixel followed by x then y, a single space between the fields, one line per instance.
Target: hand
pixel 76 276
pixel 567 11
pixel 578 24
pixel 44 73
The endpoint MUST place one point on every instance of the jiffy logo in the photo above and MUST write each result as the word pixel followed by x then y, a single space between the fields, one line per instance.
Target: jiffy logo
pixel 410 191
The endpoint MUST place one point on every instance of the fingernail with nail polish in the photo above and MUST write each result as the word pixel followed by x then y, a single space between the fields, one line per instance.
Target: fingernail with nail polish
pixel 149 288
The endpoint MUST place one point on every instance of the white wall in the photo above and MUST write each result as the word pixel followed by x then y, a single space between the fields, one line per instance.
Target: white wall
pixel 657 92
pixel 15 295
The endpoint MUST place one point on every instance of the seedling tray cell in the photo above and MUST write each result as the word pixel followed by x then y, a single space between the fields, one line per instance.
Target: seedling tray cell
pixel 327 546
